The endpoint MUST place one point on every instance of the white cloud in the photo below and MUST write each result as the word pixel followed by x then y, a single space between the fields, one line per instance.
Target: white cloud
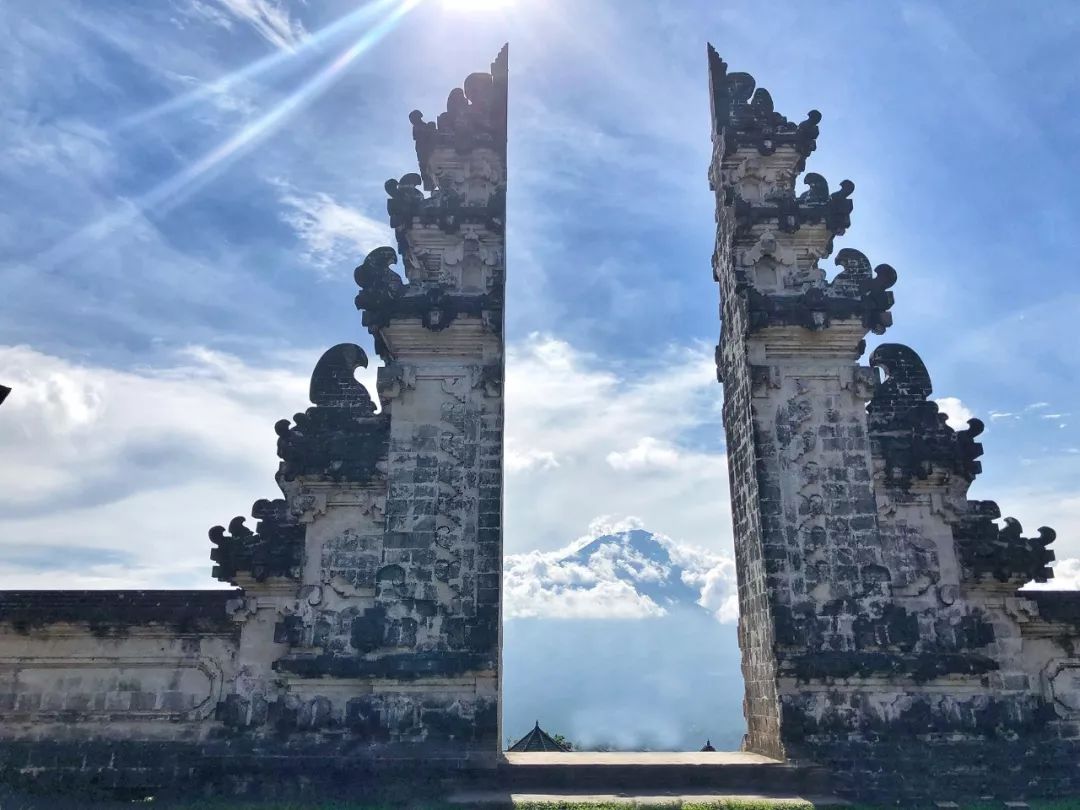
pixel 957 411
pixel 648 453
pixel 270 18
pixel 1066 577
pixel 334 234
pixel 713 574
pixel 128 469
pixel 521 460
pixel 642 440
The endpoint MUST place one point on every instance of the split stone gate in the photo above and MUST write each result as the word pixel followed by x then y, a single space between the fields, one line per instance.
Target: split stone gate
pixel 882 632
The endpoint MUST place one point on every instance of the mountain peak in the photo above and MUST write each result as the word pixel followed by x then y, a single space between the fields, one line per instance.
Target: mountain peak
pixel 643 561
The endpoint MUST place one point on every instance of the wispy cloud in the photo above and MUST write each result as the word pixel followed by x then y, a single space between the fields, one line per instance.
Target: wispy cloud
pixel 270 18
pixel 333 234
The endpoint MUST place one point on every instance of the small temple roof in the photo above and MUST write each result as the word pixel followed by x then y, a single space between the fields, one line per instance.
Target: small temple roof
pixel 708 746
pixel 537 740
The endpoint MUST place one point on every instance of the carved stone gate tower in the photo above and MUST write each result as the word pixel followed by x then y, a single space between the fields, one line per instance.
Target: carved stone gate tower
pixel 364 631
pixel 881 629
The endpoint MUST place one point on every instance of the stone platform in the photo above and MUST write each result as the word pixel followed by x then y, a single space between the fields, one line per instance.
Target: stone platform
pixel 637 799
pixel 670 774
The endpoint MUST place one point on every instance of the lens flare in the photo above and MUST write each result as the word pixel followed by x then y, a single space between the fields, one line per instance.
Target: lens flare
pixel 475 5
pixel 194 176
pixel 307 49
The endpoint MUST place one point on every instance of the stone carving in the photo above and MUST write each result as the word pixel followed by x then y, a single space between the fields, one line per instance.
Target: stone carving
pixel 405 200
pixel 475 117
pixel 379 286
pixel 989 551
pixel 790 213
pixel 856 292
pixel 383 297
pixel 393 378
pixel 274 549
pixel 341 437
pixel 909 431
pixel 746 117
pixel 334 384
pixel 444 209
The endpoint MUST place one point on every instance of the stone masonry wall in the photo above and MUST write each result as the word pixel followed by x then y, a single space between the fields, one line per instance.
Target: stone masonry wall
pixel 881 618
pixel 760 705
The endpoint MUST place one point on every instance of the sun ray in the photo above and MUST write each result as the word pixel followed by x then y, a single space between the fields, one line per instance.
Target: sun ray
pixel 181 185
pixel 308 48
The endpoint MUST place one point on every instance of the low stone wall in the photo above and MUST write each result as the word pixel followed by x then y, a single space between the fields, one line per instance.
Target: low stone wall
pixel 95 684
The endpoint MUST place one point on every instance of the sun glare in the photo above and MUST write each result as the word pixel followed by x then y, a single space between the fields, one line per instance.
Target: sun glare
pixel 475 5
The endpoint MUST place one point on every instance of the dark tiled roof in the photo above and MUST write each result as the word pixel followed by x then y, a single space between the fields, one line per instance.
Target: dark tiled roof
pixel 537 740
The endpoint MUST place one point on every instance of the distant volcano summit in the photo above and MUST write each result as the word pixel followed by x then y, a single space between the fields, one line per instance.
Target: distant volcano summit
pixel 643 561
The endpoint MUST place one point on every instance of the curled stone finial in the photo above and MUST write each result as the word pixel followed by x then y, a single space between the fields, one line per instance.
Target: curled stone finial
pixel 379 285
pixel 334 383
pixel 1002 553
pixel 405 200
pixel 870 287
pixel 340 437
pixel 907 430
pixel 807 132
pixel 818 190
pixel 4 391
pixel 424 134
pixel 907 382
pixel 274 549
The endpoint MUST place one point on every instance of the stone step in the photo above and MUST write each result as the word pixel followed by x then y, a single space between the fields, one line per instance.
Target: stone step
pixel 661 772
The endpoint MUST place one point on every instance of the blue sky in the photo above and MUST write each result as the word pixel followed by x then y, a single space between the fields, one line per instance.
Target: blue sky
pixel 187 185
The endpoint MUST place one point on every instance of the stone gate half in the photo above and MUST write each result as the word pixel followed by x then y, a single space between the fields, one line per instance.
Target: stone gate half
pixel 882 631
pixel 365 628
